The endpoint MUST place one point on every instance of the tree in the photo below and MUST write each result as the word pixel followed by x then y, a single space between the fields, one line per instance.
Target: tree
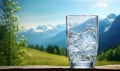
pixel 101 56
pixel 30 46
pixel 41 48
pixel 11 52
pixel 118 53
pixel 64 52
pixel 114 54
pixel 37 47
pixel 109 55
pixel 49 49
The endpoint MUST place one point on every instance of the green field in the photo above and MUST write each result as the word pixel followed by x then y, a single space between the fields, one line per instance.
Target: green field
pixel 100 63
pixel 35 57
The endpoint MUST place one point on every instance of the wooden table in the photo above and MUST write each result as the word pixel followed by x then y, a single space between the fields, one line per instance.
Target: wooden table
pixel 58 68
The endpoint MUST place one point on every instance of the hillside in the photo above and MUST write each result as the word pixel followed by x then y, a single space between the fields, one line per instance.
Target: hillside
pixel 110 54
pixel 36 57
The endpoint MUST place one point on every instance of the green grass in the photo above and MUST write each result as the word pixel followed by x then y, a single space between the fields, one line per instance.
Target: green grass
pixel 100 63
pixel 36 57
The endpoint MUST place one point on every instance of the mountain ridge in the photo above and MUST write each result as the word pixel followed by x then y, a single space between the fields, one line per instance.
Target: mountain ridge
pixel 106 27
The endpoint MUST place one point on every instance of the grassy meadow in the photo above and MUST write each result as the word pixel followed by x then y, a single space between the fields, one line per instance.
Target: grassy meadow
pixel 36 57
pixel 100 63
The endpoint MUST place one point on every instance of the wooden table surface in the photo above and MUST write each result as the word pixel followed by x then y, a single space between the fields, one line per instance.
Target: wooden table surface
pixel 58 68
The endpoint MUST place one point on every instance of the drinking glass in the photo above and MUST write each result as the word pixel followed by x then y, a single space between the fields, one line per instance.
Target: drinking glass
pixel 82 40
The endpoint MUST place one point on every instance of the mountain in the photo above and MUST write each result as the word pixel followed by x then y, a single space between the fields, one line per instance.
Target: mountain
pixel 111 37
pixel 115 26
pixel 41 33
pixel 45 35
pixel 104 27
pixel 111 16
pixel 78 28
pixel 113 33
pixel 59 39
pixel 105 24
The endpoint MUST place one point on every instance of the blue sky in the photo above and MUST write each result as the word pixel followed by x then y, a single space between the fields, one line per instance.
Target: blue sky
pixel 53 12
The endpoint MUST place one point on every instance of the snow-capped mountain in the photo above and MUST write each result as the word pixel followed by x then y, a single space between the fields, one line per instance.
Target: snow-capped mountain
pixel 47 34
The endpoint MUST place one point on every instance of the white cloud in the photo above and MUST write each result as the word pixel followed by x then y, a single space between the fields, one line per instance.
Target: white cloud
pixel 101 5
pixel 49 28
pixel 29 26
pixel 36 27
pixel 39 31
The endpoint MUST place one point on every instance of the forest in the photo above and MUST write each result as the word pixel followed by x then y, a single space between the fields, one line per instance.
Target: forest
pixel 54 49
pixel 110 54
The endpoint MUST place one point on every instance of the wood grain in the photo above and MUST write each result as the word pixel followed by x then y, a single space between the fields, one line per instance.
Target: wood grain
pixel 57 68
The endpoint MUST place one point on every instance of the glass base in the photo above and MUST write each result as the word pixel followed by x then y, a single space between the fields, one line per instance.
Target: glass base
pixel 83 64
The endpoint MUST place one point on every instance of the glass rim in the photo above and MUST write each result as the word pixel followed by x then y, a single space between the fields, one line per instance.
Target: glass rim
pixel 82 15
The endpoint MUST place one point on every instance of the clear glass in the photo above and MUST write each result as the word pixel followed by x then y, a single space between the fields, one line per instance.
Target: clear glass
pixel 82 40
